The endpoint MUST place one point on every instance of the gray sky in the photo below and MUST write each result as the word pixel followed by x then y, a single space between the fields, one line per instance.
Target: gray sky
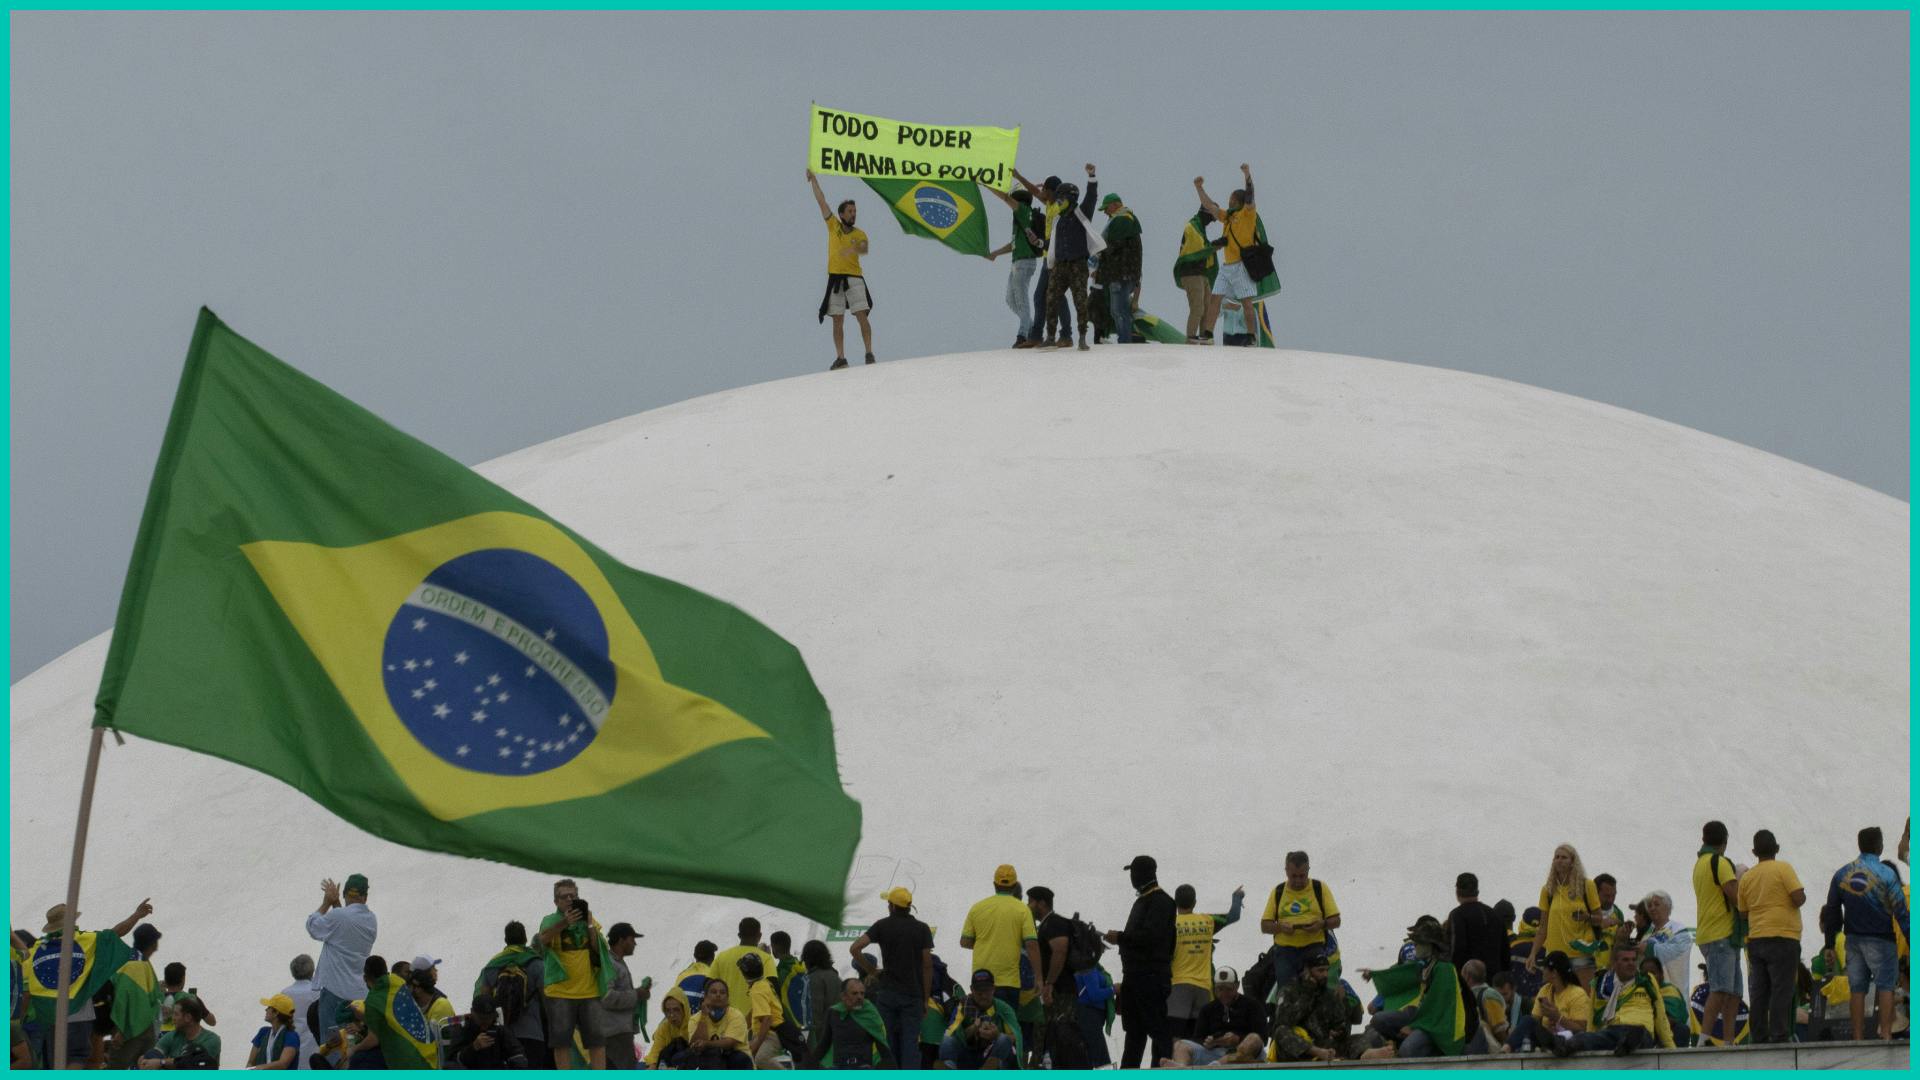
pixel 497 229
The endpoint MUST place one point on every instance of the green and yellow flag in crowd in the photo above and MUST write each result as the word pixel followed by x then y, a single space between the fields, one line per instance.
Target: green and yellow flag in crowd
pixel 1439 1013
pixel 406 1039
pixel 136 998
pixel 318 596
pixel 948 211
pixel 1151 328
pixel 96 957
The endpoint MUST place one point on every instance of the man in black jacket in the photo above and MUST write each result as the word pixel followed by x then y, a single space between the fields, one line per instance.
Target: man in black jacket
pixel 1067 258
pixel 483 1042
pixel 1146 964
pixel 1477 932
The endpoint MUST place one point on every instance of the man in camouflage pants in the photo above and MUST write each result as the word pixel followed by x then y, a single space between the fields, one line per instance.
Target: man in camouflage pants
pixel 1314 1018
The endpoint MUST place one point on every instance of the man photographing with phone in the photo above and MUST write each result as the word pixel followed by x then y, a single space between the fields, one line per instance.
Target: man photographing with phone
pixel 578 970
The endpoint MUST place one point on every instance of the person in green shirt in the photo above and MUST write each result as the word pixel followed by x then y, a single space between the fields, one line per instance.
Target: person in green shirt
pixel 190 1045
pixel 1027 245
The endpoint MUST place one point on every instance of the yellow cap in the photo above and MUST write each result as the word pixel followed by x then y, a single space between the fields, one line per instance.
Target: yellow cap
pixel 1005 876
pixel 898 896
pixel 279 1003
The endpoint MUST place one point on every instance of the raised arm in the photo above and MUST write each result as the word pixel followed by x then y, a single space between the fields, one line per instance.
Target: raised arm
pixel 1247 175
pixel 1211 207
pixel 125 926
pixel 1032 188
pixel 1087 203
pixel 819 196
pixel 1001 195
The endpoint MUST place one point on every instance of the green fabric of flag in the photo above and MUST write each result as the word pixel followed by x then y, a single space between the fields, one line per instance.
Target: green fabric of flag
pixel 1151 328
pixel 1269 285
pixel 318 596
pixel 136 998
pixel 512 956
pixel 1439 1013
pixel 947 210
pixel 406 1038
pixel 1397 985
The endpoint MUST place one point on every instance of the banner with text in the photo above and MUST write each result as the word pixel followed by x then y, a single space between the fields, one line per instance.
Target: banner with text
pixel 849 144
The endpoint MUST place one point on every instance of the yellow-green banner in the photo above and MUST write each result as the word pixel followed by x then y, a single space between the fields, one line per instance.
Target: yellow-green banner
pixel 850 144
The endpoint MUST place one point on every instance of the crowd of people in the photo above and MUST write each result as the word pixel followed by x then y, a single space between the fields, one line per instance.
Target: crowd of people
pixel 1571 973
pixel 1060 254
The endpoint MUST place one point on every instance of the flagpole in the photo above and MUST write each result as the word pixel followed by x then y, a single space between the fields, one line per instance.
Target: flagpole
pixel 73 901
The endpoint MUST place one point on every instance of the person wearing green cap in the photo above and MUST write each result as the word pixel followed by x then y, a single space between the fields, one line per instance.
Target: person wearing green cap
pixel 1120 265
pixel 346 930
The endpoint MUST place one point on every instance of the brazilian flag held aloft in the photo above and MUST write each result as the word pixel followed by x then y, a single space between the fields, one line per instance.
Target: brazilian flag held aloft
pixel 318 596
pixel 948 211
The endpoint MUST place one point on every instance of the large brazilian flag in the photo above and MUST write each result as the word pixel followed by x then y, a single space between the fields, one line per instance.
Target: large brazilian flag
pixel 95 957
pixel 318 596
pixel 406 1038
pixel 948 211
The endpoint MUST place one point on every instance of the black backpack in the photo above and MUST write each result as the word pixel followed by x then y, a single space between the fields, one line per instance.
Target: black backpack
pixel 511 992
pixel 1085 946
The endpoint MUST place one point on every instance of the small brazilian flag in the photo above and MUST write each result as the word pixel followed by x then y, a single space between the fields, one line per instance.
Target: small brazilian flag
pixel 406 1039
pixel 93 960
pixel 316 595
pixel 1151 328
pixel 947 211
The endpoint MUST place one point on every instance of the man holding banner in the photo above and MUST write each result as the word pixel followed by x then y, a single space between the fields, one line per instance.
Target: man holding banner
pixel 846 286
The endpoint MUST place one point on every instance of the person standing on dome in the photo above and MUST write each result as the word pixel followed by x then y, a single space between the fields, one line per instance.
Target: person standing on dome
pixel 345 928
pixel 1568 901
pixel 1027 244
pixel 1075 240
pixel 1240 228
pixel 846 285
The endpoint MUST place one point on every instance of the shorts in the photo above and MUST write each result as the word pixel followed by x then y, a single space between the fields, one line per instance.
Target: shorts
pixel 566 1015
pixel 1186 1001
pixel 851 300
pixel 1871 959
pixel 1199 1055
pixel 1233 282
pixel 1723 967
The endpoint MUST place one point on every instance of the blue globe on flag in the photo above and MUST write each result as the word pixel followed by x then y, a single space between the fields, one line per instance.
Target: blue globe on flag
pixel 516 683
pixel 936 206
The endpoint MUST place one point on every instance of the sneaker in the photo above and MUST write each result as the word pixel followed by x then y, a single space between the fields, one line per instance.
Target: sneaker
pixel 1025 343
pixel 838 364
pixel 1063 343
pixel 869 358
pixel 1562 1047
pixel 1083 345
pixel 1206 337
pixel 1194 341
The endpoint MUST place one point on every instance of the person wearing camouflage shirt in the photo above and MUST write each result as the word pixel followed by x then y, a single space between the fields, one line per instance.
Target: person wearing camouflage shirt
pixel 1314 1018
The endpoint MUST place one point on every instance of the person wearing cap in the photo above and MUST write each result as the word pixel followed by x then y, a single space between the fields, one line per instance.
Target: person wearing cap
pixel 1120 265
pixel 1146 966
pixel 134 1017
pixel 1074 241
pixel 424 977
pixel 346 929
pixel 1631 1013
pixel 1563 1005
pixel 1048 331
pixel 1000 930
pixel 767 1028
pixel 1228 1031
pixel 1314 1017
pixel 906 972
pixel 277 1045
pixel 1193 934
pixel 1028 242
pixel 1771 896
pixel 984 1028
pixel 617 1005
pixel 1474 929
pixel 80 1010
pixel 484 1042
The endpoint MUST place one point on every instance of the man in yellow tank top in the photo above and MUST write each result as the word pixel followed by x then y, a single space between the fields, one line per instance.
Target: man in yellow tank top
pixel 1193 957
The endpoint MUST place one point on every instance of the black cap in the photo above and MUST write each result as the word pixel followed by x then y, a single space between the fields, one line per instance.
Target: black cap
pixel 750 966
pixel 1316 957
pixel 1143 862
pixel 1052 182
pixel 622 931
pixel 1560 962
pixel 483 1002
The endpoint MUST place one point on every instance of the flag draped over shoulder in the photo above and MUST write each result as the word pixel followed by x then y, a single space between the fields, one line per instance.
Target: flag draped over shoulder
pixel 512 956
pixel 406 1039
pixel 96 956
pixel 1439 1013
pixel 318 596
pixel 947 210
pixel 136 998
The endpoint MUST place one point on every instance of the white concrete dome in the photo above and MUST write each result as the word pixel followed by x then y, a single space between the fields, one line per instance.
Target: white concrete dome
pixel 1207 605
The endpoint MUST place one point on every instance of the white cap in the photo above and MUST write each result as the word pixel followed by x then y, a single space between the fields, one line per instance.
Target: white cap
pixel 423 962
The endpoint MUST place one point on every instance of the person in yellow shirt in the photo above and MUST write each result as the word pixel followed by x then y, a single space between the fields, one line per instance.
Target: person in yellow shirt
pixel 1632 1016
pixel 846 286
pixel 670 1035
pixel 1715 894
pixel 1193 956
pixel 1770 896
pixel 1561 1006
pixel 764 1014
pixel 726 965
pixel 1240 228
pixel 1299 912
pixel 575 961
pixel 717 1038
pixel 1568 902
pixel 999 930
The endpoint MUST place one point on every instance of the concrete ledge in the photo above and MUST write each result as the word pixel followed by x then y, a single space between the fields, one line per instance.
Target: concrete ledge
pixel 1824 1055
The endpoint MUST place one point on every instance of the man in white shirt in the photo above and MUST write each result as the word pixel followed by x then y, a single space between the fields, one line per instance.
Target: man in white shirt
pixel 1670 943
pixel 304 993
pixel 346 930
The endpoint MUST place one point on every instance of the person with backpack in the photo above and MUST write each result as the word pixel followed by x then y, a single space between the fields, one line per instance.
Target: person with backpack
pixel 1058 1033
pixel 1240 228
pixel 484 1042
pixel 1865 899
pixel 1299 912
pixel 1193 970
pixel 513 979
pixel 1146 965
pixel 1716 895
pixel 906 973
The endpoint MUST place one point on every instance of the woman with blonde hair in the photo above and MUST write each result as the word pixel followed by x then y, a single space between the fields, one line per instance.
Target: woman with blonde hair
pixel 1568 902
